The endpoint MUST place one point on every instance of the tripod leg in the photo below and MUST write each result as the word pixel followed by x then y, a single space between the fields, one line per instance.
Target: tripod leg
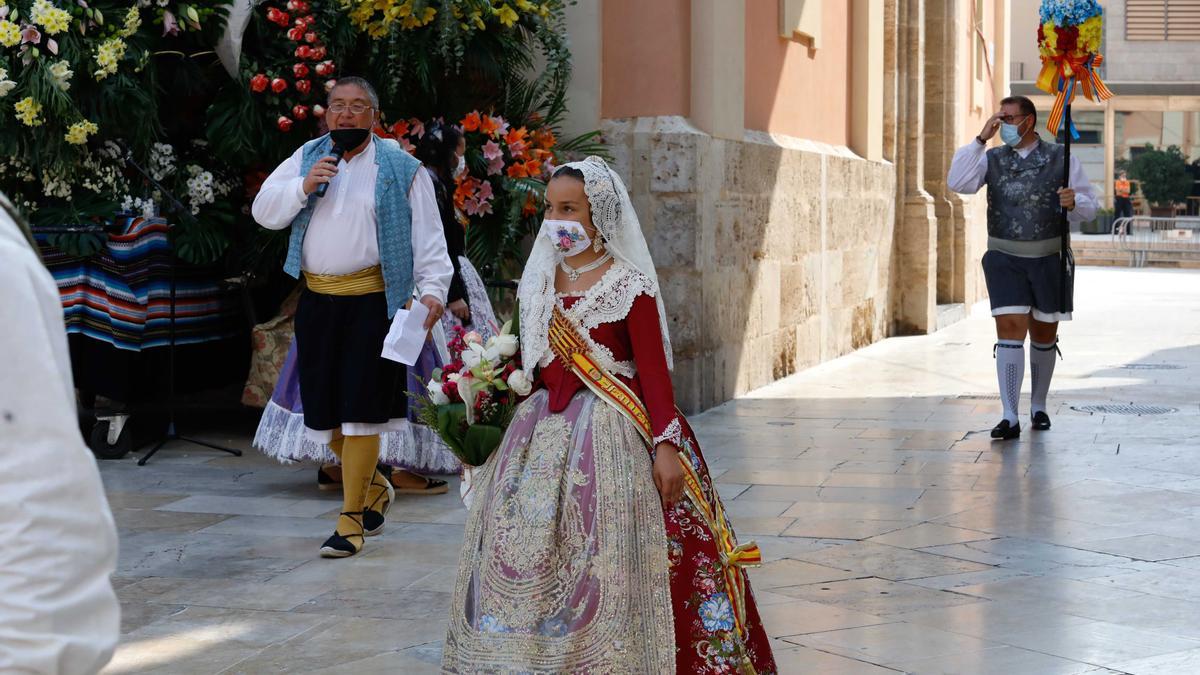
pixel 146 457
pixel 232 451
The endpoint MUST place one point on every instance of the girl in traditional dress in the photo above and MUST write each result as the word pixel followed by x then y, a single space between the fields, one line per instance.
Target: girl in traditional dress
pixel 596 542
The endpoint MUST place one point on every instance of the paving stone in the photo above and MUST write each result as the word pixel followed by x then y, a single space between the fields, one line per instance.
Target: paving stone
pixel 897 537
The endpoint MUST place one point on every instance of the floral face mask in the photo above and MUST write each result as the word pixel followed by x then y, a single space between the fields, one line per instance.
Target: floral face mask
pixel 568 236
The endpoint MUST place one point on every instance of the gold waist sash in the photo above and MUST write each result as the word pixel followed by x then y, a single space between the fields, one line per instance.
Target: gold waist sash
pixel 362 282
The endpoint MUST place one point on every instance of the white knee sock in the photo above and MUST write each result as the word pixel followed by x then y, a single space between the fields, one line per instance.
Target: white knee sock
pixel 1041 369
pixel 1010 372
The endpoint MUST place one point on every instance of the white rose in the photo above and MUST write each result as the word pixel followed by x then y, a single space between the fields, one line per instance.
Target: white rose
pixel 519 383
pixel 507 345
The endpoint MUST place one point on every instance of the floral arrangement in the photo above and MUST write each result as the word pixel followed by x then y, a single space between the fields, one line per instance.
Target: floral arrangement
pixel 1069 42
pixel 472 400
pixel 377 18
pixel 77 92
pixel 500 195
pixel 294 88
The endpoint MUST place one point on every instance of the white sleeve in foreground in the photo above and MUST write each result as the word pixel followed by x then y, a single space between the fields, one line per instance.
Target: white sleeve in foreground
pixel 58 611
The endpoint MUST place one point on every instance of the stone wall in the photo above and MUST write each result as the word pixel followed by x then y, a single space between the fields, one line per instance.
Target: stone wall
pixel 774 253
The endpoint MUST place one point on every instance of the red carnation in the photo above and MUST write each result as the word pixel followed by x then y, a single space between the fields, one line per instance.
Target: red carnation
pixel 326 68
pixel 259 83
pixel 277 17
pixel 1066 39
pixel 318 53
pixel 300 71
pixel 300 112
pixel 296 33
pixel 278 85
pixel 285 124
pixel 304 86
pixel 310 37
pixel 318 110
pixel 304 52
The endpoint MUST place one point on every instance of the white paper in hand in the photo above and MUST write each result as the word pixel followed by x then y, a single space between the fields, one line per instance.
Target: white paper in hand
pixel 407 335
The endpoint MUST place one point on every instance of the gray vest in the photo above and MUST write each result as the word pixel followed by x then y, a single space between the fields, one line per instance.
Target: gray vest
pixel 1023 193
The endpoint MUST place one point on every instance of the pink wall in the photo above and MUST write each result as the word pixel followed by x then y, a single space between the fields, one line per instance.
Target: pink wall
pixel 793 90
pixel 646 67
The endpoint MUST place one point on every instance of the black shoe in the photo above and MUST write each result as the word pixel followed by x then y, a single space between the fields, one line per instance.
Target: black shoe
pixel 342 546
pixel 1041 421
pixel 1006 431
pixel 375 513
pixel 326 481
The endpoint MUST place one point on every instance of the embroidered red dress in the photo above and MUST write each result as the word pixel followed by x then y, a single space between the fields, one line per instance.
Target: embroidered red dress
pixel 491 629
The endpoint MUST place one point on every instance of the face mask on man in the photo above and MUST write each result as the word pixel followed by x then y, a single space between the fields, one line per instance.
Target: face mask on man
pixel 1010 134
pixel 568 236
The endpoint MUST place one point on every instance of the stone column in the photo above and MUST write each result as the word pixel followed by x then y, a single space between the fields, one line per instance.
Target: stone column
pixel 914 278
pixel 1110 153
pixel 719 67
pixel 585 28
pixel 890 82
pixel 946 26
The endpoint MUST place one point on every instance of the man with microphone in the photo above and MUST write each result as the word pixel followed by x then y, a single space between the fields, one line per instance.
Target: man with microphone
pixel 367 236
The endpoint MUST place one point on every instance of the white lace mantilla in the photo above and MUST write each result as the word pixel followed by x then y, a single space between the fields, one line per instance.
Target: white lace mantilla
pixel 614 217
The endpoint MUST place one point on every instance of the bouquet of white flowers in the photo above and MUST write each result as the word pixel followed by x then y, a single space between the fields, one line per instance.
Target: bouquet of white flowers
pixel 471 401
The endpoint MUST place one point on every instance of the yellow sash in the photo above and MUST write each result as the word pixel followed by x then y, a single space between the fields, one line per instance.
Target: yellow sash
pixel 362 282
pixel 573 351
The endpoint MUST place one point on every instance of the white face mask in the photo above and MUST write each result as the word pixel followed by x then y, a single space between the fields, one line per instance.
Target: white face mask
pixel 568 236
pixel 462 166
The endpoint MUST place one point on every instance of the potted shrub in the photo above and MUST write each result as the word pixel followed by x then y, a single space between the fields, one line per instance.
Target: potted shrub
pixel 1101 225
pixel 1163 177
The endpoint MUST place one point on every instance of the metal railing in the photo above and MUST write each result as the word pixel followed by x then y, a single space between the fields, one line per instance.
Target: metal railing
pixel 1147 238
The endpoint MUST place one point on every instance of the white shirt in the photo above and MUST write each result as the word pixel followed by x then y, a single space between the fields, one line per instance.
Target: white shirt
pixel 968 172
pixel 341 237
pixel 58 611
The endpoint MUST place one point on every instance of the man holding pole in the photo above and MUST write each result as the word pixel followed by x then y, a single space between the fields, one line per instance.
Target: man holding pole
pixel 1024 265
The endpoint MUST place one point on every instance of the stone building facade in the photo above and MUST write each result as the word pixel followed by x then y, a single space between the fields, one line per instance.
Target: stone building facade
pixel 788 159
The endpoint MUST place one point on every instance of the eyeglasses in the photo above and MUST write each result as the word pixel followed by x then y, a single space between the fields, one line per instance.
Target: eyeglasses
pixel 1007 119
pixel 356 108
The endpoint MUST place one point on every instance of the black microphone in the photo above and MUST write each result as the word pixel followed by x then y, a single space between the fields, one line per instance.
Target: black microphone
pixel 342 139
pixel 338 153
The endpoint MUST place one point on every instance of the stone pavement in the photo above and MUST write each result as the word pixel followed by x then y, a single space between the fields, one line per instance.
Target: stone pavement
pixel 897 536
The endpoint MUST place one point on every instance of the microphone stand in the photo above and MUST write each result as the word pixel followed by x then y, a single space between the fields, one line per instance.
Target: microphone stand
pixel 172 434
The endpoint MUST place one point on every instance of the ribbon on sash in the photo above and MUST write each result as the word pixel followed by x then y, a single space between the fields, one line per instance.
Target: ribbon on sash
pixel 573 351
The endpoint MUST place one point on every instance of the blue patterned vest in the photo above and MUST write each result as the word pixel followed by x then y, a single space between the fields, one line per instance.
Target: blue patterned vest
pixel 1023 193
pixel 393 216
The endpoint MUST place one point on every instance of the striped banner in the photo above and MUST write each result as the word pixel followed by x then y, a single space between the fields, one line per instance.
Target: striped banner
pixel 122 295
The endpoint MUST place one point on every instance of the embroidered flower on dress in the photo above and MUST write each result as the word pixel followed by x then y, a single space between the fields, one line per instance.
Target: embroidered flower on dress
pixel 717 613
pixel 490 624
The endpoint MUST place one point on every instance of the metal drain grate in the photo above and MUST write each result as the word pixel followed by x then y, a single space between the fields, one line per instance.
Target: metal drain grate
pixel 1151 366
pixel 1120 409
